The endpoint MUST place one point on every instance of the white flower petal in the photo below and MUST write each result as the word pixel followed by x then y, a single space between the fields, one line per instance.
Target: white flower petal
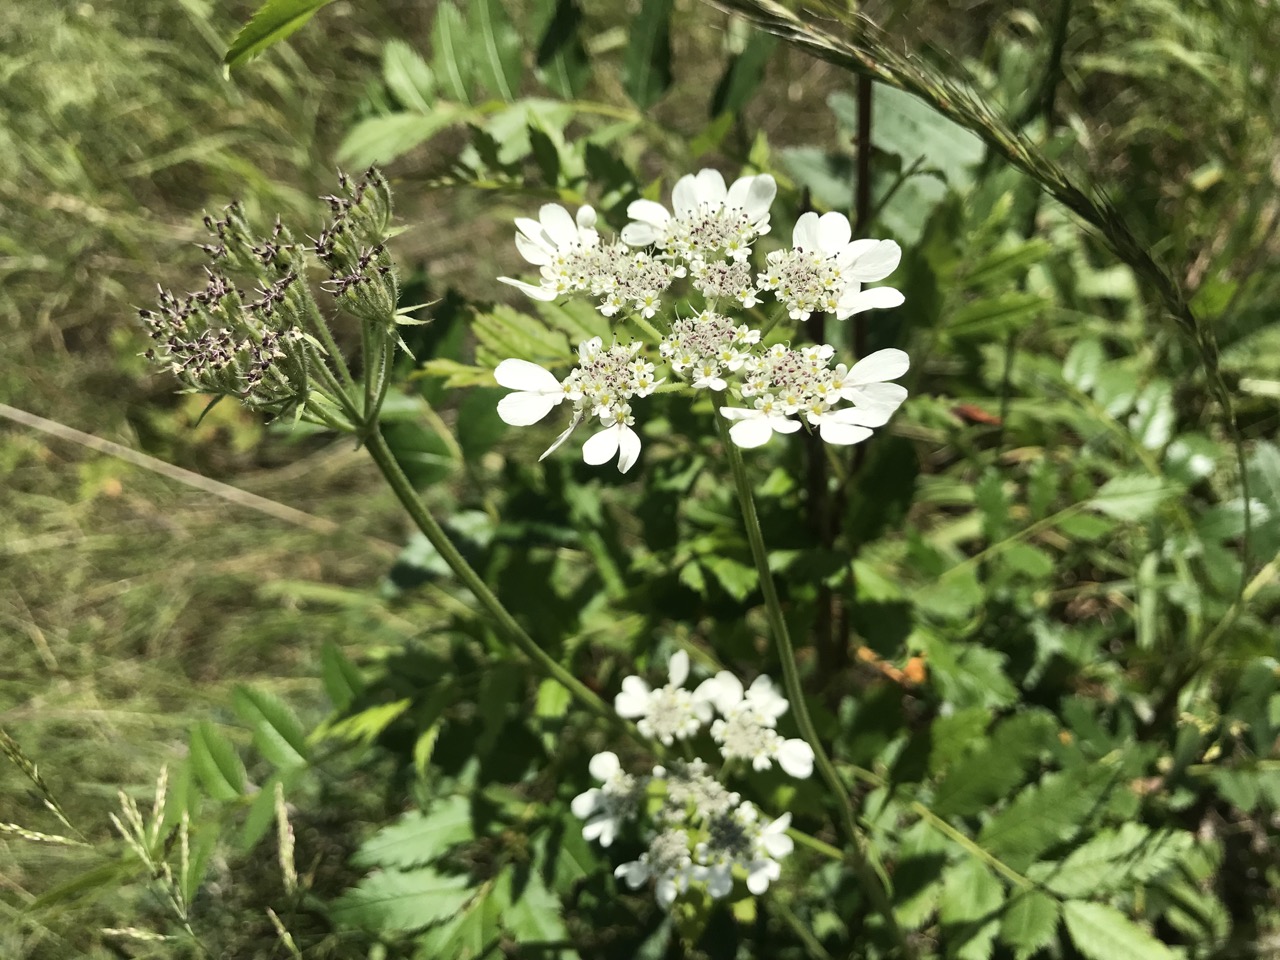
pixel 604 765
pixel 558 224
pixel 783 425
pixel 628 447
pixel 536 253
pixel 795 757
pixel 840 432
pixel 522 409
pixel 719 881
pixel 537 292
pixel 805 235
pixel 738 413
pixel 584 804
pixel 586 217
pixel 684 196
pixel 834 232
pixel 558 441
pixel 877 262
pixel 634 699
pixel 678 668
pixel 710 188
pixel 665 892
pixel 877 399
pixel 634 873
pixel 727 691
pixel 882 365
pixel 765 698
pixel 751 433
pixel 648 211
pixel 516 374
pixel 761 872
pixel 753 195
pixel 877 298
pixel 640 234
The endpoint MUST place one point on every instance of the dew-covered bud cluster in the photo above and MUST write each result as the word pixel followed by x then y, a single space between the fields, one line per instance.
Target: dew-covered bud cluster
pixel 257 342
pixel 691 828
pixel 713 337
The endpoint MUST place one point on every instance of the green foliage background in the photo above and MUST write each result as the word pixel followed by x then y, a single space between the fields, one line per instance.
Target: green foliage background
pixel 1034 629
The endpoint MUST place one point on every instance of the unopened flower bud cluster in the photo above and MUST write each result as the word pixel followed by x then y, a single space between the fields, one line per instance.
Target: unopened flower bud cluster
pixel 697 831
pixel 256 345
pixel 709 238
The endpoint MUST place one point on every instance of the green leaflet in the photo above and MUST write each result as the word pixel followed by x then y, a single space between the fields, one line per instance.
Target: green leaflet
pixel 418 838
pixel 391 901
pixel 215 763
pixel 647 70
pixel 1030 922
pixel 273 22
pixel 1101 932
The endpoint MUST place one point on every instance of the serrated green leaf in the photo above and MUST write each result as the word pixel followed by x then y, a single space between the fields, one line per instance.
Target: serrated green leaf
pixel 742 74
pixel 277 733
pixel 382 139
pixel 1101 932
pixel 969 910
pixel 367 725
pixel 272 22
pixel 453 67
pixel 1153 416
pixel 647 69
pixel 504 332
pixel 997 766
pixel 408 76
pixel 1112 860
pixel 468 934
pixel 1083 364
pixel 562 60
pixel 391 901
pixel 738 579
pixel 424 747
pixel 1134 496
pixel 496 48
pixel 342 681
pixel 215 763
pixel 1043 814
pixel 419 838
pixel 1030 922
pixel 994 315
pixel 531 914
pixel 1006 263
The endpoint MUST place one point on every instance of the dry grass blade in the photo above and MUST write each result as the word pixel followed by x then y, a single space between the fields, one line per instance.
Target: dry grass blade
pixel 866 49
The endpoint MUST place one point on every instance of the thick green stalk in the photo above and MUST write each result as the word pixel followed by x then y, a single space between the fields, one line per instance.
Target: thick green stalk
pixel 507 624
pixel 857 853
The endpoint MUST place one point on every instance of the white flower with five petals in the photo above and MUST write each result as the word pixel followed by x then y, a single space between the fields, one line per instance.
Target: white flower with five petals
pixel 668 713
pixel 708 219
pixel 866 385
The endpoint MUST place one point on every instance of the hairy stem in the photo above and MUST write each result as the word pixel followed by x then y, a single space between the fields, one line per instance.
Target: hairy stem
pixel 857 853
pixel 510 629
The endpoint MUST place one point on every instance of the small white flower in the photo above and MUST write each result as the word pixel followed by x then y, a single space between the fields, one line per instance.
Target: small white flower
pixel 741 840
pixel 669 713
pixel 707 220
pixel 607 806
pixel 746 728
pixel 756 426
pixel 667 861
pixel 555 232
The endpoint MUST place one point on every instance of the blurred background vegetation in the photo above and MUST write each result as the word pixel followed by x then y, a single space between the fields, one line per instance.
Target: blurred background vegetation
pixel 133 606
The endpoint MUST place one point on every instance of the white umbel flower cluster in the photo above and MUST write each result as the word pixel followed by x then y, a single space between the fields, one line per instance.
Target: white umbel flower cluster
pixel 699 832
pixel 707 236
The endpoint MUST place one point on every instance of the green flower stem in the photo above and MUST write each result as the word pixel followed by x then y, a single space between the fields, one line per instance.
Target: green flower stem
pixel 425 522
pixel 857 853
